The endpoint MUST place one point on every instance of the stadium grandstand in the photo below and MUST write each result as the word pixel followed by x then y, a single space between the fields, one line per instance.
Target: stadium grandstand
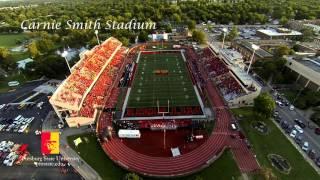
pixel 91 81
pixel 226 70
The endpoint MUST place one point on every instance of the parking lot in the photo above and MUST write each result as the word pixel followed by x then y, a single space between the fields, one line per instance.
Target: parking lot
pixel 303 131
pixel 19 123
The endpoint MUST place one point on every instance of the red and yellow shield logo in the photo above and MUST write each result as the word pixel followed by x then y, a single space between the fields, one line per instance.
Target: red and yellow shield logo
pixel 50 143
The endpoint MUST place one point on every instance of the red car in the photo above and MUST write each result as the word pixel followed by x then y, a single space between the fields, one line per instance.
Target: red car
pixel 317 131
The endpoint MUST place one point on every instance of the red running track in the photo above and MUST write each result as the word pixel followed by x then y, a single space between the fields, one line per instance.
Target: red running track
pixel 192 161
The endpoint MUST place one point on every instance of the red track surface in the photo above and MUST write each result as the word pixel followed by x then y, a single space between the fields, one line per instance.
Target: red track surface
pixel 192 161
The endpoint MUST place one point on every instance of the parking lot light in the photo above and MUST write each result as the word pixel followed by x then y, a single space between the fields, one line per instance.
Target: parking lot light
pixel 224 30
pixel 254 47
pixel 96 32
pixel 65 54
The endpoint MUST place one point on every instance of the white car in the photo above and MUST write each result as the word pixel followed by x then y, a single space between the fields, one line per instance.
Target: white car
pixel 8 158
pixel 18 117
pixel 2 106
pixel 298 128
pixel 37 132
pixel 23 128
pixel 11 160
pixel 10 143
pixel 291 107
pixel 39 105
pixel 305 146
pixel 293 133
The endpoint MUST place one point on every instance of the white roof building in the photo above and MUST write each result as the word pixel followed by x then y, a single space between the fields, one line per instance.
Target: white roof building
pixel 159 36
pixel 279 33
pixel 22 64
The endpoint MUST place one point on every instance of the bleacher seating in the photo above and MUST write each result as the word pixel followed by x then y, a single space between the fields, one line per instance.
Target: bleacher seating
pixel 103 86
pixel 220 74
pixel 85 73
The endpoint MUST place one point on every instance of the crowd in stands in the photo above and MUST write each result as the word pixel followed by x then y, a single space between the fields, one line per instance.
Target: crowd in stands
pixel 213 64
pixel 104 85
pixel 85 73
pixel 221 76
pixel 192 58
pixel 229 87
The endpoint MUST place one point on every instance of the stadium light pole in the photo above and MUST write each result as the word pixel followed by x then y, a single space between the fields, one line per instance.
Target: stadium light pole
pixel 224 30
pixel 96 32
pixel 65 54
pixel 254 47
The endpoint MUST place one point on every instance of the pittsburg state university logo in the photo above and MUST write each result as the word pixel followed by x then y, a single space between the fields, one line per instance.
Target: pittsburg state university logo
pixel 50 143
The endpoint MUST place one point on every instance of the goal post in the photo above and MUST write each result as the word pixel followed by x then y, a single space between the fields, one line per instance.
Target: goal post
pixel 163 112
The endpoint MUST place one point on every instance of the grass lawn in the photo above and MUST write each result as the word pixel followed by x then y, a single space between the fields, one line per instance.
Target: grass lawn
pixel 93 154
pixel 10 40
pixel 275 142
pixel 17 56
pixel 223 169
pixel 290 94
pixel 162 77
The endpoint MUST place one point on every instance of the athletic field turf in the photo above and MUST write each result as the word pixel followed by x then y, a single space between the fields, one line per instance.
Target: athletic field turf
pixel 162 77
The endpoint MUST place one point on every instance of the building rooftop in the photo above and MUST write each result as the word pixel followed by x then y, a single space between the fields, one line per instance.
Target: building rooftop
pixel 231 55
pixel 242 75
pixel 260 52
pixel 312 63
pixel 280 32
pixel 317 27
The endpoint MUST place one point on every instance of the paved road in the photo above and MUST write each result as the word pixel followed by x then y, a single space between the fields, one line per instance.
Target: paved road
pixel 26 88
pixel 289 116
pixel 308 134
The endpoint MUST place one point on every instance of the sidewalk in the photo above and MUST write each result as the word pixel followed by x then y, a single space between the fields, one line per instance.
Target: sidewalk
pixel 81 166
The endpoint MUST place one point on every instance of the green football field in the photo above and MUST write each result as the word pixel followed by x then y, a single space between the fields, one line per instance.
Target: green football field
pixel 149 87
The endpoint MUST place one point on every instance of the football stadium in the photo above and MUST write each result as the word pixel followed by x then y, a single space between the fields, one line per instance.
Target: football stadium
pixel 159 110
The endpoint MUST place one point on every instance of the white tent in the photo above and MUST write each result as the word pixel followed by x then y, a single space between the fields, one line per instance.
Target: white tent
pixel 175 152
pixel 77 141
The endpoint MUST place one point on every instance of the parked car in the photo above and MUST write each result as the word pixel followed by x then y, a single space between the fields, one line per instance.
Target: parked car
pixel 300 123
pixel 298 140
pixel 284 124
pixel 305 146
pixel 293 133
pixel 298 128
pixel 312 154
pixel 234 126
pixel 317 131
pixel 318 161
pixel 291 107
pixel 288 129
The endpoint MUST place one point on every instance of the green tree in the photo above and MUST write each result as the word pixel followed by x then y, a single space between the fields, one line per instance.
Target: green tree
pixel 264 105
pixel 198 178
pixel 125 41
pixel 307 34
pixel 132 176
pixel 51 66
pixel 45 45
pixel 232 34
pixel 143 36
pixel 191 25
pixel 281 51
pixel 4 53
pixel 199 36
pixel 33 49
